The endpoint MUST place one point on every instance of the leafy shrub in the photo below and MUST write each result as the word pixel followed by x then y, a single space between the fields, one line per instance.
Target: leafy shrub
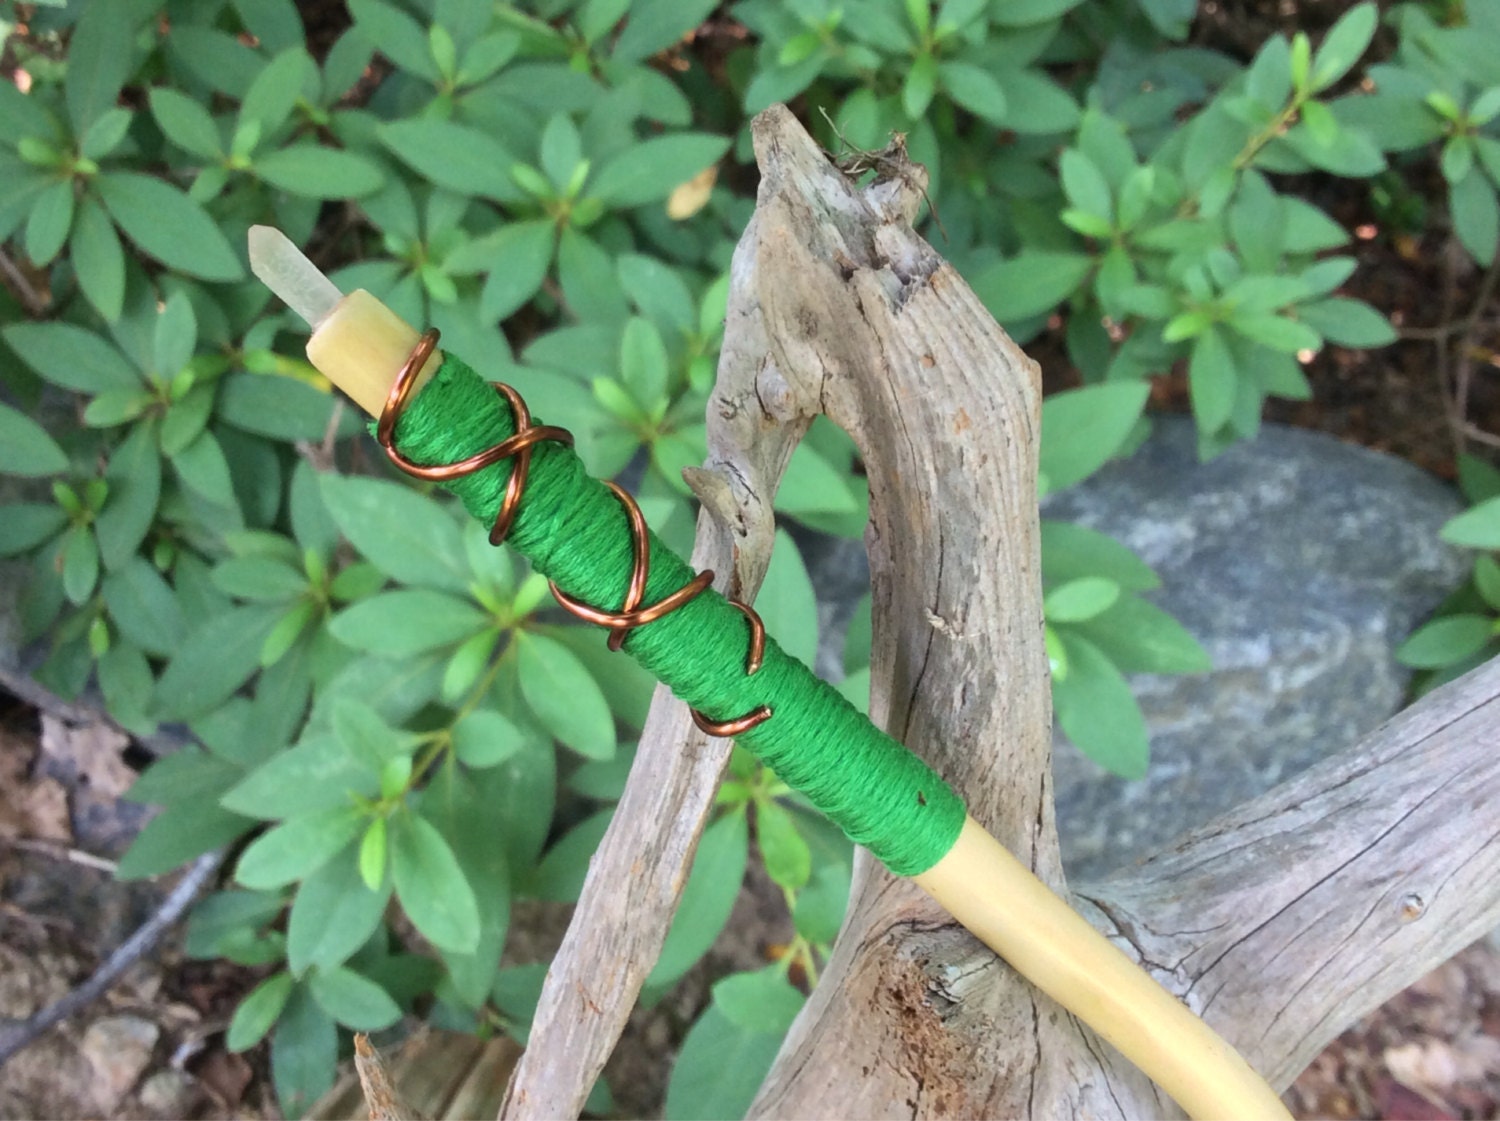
pixel 384 707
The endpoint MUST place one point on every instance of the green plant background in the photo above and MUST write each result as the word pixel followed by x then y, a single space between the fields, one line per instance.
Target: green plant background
pixel 382 706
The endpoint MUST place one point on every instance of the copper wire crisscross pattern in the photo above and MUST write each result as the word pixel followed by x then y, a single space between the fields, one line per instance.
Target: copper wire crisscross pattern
pixel 518 447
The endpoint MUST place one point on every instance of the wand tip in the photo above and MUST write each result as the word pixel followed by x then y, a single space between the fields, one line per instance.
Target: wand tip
pixel 283 268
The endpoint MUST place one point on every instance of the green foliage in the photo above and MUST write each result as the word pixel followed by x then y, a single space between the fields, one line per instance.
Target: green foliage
pixel 385 707
pixel 1466 630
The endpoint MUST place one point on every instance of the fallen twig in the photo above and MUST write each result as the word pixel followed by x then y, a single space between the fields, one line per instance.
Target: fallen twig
pixel 15 1036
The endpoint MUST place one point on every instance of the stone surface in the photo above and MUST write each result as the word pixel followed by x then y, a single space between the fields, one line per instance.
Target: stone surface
pixel 119 1050
pixel 1299 562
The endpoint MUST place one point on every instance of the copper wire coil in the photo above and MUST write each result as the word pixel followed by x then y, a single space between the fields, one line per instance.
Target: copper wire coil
pixel 518 447
pixel 631 614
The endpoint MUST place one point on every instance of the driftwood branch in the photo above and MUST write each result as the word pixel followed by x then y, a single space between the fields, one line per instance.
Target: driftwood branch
pixel 1280 923
pixel 1286 920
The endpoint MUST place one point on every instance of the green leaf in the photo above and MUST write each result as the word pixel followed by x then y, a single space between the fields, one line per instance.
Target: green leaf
pixel 396 35
pixel 462 808
pixel 98 260
pixel 1139 637
pixel 1073 551
pixel 1083 428
pixel 1097 711
pixel 1031 283
pixel 976 89
pixel 431 885
pixel 373 852
pixel 919 85
pixel 1347 322
pixel 586 272
pixel 1080 599
pixel 298 846
pixel 26 525
pixel 71 357
pixel 560 875
pixel 1478 528
pixel 50 220
pixel 187 123
pixel 201 467
pixel 187 774
pixel 1342 47
pixel 787 857
pixel 258 1011
pixel 1487 580
pixel 304 1054
pixel 353 1000
pixel 1036 104
pixel 1476 216
pixel 1084 184
pixel 224 916
pixel 176 835
pixel 454 156
pixel 718 1069
pixel 279 407
pixel 763 1001
pixel 713 885
pixel 408 621
pixel 564 696
pixel 174 336
pixel 101 56
pixel 213 662
pixel 407 536
pixel 319 773
pixel 134 475
pixel 25 447
pixel 169 226
pixel 1278 332
pixel 649 170
pixel 787 604
pixel 1445 641
pixel 644 363
pixel 1211 380
pixel 272 96
pixel 80 563
pixel 484 738
pixel 654 25
pixel 318 172
pixel 518 258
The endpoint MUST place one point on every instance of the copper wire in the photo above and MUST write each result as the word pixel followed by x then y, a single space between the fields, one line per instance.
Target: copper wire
pixel 518 447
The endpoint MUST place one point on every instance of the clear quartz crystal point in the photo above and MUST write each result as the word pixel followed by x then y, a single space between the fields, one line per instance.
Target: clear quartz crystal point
pixel 283 268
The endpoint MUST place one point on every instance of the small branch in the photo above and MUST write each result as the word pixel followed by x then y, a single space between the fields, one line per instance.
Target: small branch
pixel 16 1036
pixel 58 851
pixel 33 301
pixel 1464 368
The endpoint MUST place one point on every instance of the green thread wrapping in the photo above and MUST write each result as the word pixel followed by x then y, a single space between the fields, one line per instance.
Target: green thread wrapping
pixel 574 530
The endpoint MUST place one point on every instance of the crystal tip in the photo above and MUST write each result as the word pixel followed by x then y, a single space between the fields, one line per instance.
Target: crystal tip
pixel 286 271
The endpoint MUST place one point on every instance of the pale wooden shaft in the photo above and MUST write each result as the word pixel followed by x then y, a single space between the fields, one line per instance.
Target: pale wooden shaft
pixel 361 346
pixel 1011 911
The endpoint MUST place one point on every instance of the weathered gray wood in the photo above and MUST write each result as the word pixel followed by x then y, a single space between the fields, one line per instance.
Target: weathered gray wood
pixel 912 1017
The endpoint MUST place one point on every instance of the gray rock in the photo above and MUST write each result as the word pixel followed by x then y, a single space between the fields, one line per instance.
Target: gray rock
pixel 1300 563
pixel 119 1049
